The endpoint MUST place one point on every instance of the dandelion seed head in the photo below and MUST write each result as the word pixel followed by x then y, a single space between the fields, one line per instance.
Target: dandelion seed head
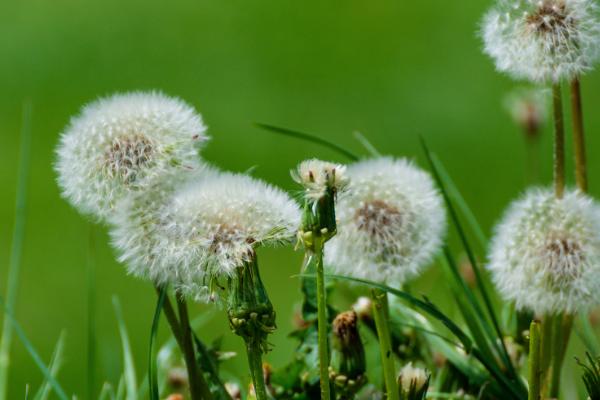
pixel 391 222
pixel 317 176
pixel 543 41
pixel 545 255
pixel 124 143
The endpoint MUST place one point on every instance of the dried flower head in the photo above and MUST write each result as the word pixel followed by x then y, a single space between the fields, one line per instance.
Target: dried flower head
pixel 317 176
pixel 390 222
pixel 545 255
pixel 123 143
pixel 543 40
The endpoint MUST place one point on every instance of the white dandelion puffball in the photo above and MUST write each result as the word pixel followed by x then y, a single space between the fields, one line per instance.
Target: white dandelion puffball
pixel 391 222
pixel 543 40
pixel 317 176
pixel 545 255
pixel 204 229
pixel 121 144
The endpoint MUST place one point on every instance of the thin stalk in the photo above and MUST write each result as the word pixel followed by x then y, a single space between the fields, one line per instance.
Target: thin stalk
pixel 562 333
pixel 578 136
pixel 16 251
pixel 256 370
pixel 535 371
pixel 559 141
pixel 172 319
pixel 381 315
pixel 322 325
pixel 91 317
pixel 198 387
pixel 545 350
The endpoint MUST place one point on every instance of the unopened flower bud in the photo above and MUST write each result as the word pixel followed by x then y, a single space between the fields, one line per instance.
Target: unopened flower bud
pixel 413 383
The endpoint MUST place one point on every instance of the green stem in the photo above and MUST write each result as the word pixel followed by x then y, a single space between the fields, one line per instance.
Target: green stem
pixel 256 369
pixel 535 371
pixel 91 311
pixel 545 351
pixel 381 316
pixel 562 333
pixel 198 386
pixel 578 136
pixel 559 141
pixel 322 323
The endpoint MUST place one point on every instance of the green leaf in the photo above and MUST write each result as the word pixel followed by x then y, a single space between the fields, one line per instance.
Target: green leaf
pixel 16 251
pixel 152 375
pixel 129 380
pixel 55 364
pixel 367 144
pixel 586 333
pixel 310 138
pixel 33 353
pixel 209 367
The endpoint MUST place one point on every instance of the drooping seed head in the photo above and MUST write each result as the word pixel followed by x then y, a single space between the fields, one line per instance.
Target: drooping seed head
pixel 122 144
pixel 543 40
pixel 391 222
pixel 545 255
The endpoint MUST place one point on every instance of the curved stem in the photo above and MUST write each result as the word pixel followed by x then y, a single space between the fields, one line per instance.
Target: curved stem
pixel 198 386
pixel 322 325
pixel 256 370
pixel 559 142
pixel 578 136
pixel 535 371
pixel 381 316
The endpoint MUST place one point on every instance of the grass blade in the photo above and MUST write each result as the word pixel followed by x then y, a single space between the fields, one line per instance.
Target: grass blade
pixel 55 364
pixel 33 353
pixel 152 374
pixel 310 138
pixel 366 144
pixel 586 333
pixel 128 365
pixel 16 251
pixel 91 311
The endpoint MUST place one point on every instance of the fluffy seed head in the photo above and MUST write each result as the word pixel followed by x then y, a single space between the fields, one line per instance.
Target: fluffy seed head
pixel 545 255
pixel 391 222
pixel 202 230
pixel 543 40
pixel 317 176
pixel 122 144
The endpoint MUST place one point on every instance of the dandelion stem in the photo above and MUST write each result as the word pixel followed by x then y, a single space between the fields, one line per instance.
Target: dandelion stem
pixel 381 316
pixel 560 341
pixel 578 136
pixel 545 350
pixel 322 323
pixel 535 371
pixel 198 386
pixel 256 370
pixel 171 317
pixel 559 141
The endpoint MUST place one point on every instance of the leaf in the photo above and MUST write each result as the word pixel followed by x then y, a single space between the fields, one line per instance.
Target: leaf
pixel 310 138
pixel 55 365
pixel 367 144
pixel 33 353
pixel 16 250
pixel 129 379
pixel 152 375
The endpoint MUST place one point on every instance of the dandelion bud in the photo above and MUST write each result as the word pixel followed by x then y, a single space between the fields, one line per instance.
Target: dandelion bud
pixel 528 111
pixel 413 383
pixel 545 255
pixel 234 390
pixel 391 222
pixel 363 307
pixel 322 181
pixel 123 144
pixel 347 339
pixel 543 40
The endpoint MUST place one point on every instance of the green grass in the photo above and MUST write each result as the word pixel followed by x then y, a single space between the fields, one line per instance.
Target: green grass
pixel 391 70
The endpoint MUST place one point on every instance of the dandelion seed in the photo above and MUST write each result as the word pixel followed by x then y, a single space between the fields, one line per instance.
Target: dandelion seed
pixel 545 255
pixel 122 144
pixel 391 222
pixel 543 40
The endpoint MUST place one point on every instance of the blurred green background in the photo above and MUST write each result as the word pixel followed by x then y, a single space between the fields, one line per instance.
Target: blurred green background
pixel 389 69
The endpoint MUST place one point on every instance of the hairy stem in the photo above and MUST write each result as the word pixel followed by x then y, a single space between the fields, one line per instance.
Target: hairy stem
pixel 559 141
pixel 578 136
pixel 256 370
pixel 535 372
pixel 381 316
pixel 322 325
pixel 198 386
